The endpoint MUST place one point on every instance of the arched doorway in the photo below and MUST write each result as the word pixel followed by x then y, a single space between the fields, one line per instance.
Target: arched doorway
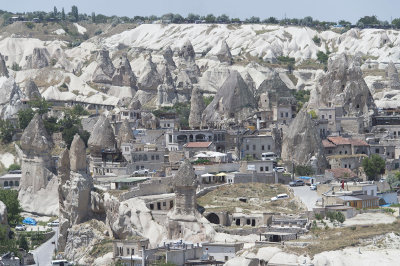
pixel 213 218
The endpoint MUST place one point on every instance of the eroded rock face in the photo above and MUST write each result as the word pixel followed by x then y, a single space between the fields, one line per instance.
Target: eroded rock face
pixel 31 90
pixel 105 69
pixel 149 78
pixel 10 98
pixel 74 189
pixel 124 75
pixel 224 54
pixel 272 91
pixel 132 218
pixel 81 240
pixel 38 186
pixel 302 142
pixel 78 155
pixel 343 85
pixel 393 77
pixel 35 140
pixel 233 102
pixel 197 107
pixel 168 56
pixel 39 59
pixel 187 51
pixel 102 137
pixel 3 214
pixel 3 67
pixel 125 134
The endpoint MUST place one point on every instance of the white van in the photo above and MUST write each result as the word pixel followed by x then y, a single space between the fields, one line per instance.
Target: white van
pixel 280 196
pixel 268 156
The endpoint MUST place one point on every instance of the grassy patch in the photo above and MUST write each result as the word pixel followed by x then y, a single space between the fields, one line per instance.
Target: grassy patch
pixel 374 72
pixel 310 64
pixel 259 32
pixel 102 248
pixel 338 238
pixel 293 78
pixel 258 197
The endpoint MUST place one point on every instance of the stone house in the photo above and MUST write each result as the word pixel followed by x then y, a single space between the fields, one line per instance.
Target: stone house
pixel 192 148
pixel 129 247
pixel 255 145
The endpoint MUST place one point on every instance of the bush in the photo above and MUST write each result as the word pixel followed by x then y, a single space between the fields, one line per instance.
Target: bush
pixel 23 243
pixel 6 131
pixel 373 166
pixel 30 25
pixel 24 117
pixel 317 40
pixel 318 216
pixel 303 170
pixel 322 57
pixel 15 67
pixel 98 32
pixel 10 199
pixel 313 114
pixel 14 167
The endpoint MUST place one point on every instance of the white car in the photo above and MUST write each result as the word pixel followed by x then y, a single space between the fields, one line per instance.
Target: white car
pixel 280 169
pixel 141 172
pixel 53 224
pixel 20 227
pixel 313 187
pixel 279 197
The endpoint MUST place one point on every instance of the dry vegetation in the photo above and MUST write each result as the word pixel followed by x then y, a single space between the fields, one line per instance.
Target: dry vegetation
pixel 258 197
pixel 339 238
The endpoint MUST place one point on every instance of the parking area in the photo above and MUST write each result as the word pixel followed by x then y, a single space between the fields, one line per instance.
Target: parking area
pixel 306 195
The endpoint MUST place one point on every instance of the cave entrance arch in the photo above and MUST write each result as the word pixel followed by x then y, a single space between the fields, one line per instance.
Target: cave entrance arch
pixel 213 218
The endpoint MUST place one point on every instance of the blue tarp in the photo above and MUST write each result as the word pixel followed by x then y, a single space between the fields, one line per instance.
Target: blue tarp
pixel 29 221
pixel 304 177
pixel 386 205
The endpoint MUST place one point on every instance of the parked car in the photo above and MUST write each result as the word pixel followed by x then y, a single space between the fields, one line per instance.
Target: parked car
pixel 280 196
pixel 313 187
pixel 141 172
pixel 53 224
pixel 280 169
pixel 297 183
pixel 20 227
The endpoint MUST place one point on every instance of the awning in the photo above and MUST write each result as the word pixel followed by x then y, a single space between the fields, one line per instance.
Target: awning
pixel 206 175
pixel 221 174
pixel 201 155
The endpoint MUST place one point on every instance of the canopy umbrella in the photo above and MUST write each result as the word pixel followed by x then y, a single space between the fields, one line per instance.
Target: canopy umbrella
pixel 221 174
pixel 201 155
pixel 206 175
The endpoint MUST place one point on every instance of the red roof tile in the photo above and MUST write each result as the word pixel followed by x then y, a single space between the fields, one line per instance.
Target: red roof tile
pixel 198 144
pixel 328 144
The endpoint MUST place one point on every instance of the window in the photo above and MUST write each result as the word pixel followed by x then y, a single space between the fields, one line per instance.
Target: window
pixel 376 150
pixel 164 204
pixel 330 116
pixel 152 157
pixel 340 152
pixel 323 116
pixel 261 169
pixel 345 152
pixel 247 147
pixel 157 157
pixel 133 251
pixel 126 148
pixel 262 147
pixel 226 258
pixel 127 251
pixel 345 166
pixel 281 114
pixel 269 147
pixel 254 147
pixel 266 168
pixel 254 155
pixel 287 114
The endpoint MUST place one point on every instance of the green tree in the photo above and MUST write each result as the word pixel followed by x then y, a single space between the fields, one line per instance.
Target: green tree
pixel 79 110
pixel 24 117
pixel 271 20
pixel 373 166
pixel 303 170
pixel 23 243
pixel 7 131
pixel 340 217
pixel 344 23
pixel 313 114
pixel 14 167
pixel 253 20
pixel 369 20
pixel 10 199
pixel 396 22
pixel 75 13
pixel 210 18
pixel 192 17
pixel 223 18
pixel 62 14
pixel 322 57
pixel 317 40
pixel 41 105
pixel 393 179
pixel 55 12
pixel 93 17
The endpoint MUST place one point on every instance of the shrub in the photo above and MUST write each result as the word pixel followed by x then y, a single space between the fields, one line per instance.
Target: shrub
pixel 15 67
pixel 14 167
pixel 318 216
pixel 30 25
pixel 317 40
pixel 303 170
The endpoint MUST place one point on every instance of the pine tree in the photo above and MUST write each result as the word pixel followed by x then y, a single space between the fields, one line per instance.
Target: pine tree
pixel 62 14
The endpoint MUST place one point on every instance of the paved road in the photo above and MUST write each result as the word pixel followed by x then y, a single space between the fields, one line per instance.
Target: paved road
pixel 44 253
pixel 306 195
